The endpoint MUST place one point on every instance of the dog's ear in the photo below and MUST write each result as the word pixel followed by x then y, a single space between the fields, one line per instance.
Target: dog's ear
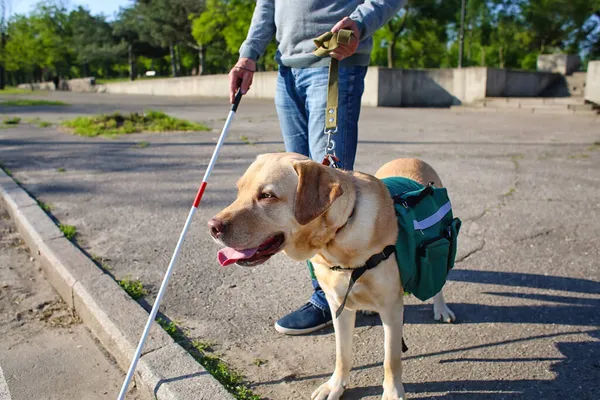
pixel 317 189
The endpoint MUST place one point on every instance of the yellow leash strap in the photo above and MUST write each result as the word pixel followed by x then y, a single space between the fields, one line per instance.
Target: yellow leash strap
pixel 326 43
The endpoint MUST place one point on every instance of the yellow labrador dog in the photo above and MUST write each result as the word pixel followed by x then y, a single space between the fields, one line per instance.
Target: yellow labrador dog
pixel 287 202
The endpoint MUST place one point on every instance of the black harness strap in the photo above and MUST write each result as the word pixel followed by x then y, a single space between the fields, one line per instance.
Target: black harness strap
pixel 371 263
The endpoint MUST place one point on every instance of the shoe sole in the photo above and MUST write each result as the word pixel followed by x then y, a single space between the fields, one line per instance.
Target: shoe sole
pixel 288 331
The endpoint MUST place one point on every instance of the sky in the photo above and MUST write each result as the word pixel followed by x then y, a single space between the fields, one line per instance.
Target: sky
pixel 107 7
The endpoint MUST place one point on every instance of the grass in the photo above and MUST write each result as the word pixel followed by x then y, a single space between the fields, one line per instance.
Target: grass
pixel 68 230
pixel 37 121
pixel 14 90
pixel 134 288
pixel 142 145
pixel 246 140
pixel 6 170
pixel 117 124
pixel 259 361
pixel 11 121
pixel 232 381
pixel 44 206
pixel 60 169
pixel 32 102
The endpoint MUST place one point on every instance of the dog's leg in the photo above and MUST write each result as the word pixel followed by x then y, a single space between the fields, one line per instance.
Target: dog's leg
pixel 392 319
pixel 441 311
pixel 344 327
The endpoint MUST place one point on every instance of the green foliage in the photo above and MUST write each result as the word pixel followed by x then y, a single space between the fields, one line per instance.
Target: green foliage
pixel 31 102
pixel 13 90
pixel 116 124
pixel 221 28
pixel 68 230
pixel 183 37
pixel 134 288
pixel 232 381
pixel 11 120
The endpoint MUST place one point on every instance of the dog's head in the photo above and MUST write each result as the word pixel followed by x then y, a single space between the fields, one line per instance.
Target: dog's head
pixel 284 202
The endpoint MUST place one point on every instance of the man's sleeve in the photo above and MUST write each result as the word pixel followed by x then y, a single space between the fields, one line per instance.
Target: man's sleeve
pixel 373 14
pixel 262 29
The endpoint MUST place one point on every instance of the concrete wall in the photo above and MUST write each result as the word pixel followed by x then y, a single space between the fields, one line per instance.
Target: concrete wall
pixel 37 86
pixel 513 83
pixel 592 83
pixel 263 86
pixel 564 64
pixel 384 87
pixel 448 87
pixel 74 85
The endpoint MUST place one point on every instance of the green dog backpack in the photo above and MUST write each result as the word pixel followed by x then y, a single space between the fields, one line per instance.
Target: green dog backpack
pixel 427 237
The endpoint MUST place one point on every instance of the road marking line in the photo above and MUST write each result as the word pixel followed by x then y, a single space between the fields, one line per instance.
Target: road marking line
pixel 4 393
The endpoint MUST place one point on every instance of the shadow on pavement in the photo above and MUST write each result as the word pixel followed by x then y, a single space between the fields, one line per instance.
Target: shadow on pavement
pixel 577 373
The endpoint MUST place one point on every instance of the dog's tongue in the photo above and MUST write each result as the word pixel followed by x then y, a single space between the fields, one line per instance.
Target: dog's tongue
pixel 228 255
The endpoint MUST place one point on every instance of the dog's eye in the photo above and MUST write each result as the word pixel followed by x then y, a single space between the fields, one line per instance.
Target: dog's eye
pixel 265 195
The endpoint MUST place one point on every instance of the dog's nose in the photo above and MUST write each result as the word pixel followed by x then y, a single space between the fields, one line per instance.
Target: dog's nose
pixel 216 228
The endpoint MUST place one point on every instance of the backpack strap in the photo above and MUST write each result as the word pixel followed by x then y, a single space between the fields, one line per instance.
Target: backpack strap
pixel 371 263
pixel 410 202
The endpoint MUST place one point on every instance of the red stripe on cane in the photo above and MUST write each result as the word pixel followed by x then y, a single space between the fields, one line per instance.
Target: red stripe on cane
pixel 199 194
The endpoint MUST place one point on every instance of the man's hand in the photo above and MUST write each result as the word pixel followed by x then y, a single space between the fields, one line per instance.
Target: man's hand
pixel 241 75
pixel 346 50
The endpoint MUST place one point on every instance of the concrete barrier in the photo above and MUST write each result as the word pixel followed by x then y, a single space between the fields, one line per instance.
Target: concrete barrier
pixel 384 87
pixel 72 85
pixel 564 64
pixel 592 82
pixel 37 86
pixel 263 86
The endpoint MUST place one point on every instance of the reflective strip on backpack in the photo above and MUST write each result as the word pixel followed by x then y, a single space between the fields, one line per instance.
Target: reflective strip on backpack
pixel 433 219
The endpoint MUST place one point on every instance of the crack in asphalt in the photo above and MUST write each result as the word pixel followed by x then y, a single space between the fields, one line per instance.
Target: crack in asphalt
pixel 470 253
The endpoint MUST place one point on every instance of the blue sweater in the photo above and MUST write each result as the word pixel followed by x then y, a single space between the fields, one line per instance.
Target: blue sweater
pixel 295 23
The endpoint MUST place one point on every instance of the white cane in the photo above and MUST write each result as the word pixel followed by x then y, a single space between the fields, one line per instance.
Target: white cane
pixel 165 281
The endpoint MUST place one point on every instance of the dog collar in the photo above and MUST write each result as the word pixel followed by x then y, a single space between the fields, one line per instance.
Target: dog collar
pixel 371 263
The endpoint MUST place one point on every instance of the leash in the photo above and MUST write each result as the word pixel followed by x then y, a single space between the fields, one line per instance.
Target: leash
pixel 326 43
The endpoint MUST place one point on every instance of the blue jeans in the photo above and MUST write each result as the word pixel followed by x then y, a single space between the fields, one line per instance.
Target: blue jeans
pixel 300 100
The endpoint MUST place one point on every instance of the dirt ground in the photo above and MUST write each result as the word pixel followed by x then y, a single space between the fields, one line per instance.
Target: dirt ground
pixel 45 351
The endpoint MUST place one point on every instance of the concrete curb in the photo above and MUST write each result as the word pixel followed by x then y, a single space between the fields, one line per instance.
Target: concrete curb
pixel 165 370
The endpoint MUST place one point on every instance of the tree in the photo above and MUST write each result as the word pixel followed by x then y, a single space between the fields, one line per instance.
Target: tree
pixel 222 27
pixel 4 11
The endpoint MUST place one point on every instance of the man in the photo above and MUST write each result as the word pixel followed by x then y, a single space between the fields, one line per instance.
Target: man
pixel 301 93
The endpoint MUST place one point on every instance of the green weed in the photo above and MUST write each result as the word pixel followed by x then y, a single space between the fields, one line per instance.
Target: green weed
pixel 11 121
pixel 142 145
pixel 61 169
pixel 44 206
pixel 134 288
pixel 32 102
pixel 259 361
pixel 117 123
pixel 68 230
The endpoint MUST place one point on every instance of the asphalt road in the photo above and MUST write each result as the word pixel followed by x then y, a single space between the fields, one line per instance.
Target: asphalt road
pixel 46 353
pixel 526 289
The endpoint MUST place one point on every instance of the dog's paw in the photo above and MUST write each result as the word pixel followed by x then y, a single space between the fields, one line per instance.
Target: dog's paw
pixel 443 313
pixel 393 393
pixel 330 390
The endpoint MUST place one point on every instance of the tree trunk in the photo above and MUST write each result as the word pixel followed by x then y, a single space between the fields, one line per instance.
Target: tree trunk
pixel 483 56
pixel 2 70
pixel 391 53
pixel 131 63
pixel 178 56
pixel 173 66
pixel 501 56
pixel 201 56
